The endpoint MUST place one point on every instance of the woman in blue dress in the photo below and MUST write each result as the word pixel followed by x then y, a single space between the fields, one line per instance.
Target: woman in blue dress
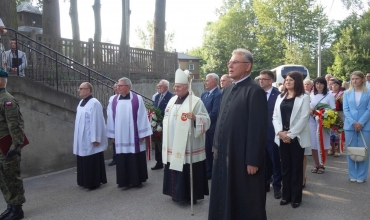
pixel 356 108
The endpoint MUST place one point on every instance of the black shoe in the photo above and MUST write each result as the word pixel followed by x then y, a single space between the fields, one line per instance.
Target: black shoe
pixel 157 166
pixel 295 205
pixel 7 211
pixel 16 213
pixel 277 194
pixel 113 163
pixel 284 202
pixel 267 188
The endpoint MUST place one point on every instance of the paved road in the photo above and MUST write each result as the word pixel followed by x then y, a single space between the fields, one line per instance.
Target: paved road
pixel 56 196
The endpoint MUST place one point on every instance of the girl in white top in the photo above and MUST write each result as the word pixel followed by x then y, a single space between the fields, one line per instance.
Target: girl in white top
pixel 319 95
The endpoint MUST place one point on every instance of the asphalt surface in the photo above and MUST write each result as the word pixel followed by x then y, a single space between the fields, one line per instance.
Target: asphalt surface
pixel 56 196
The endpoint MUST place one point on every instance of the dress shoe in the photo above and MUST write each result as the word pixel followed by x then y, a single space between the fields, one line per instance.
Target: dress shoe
pixel 113 163
pixel 16 213
pixel 157 166
pixel 7 211
pixel 284 202
pixel 295 205
pixel 277 194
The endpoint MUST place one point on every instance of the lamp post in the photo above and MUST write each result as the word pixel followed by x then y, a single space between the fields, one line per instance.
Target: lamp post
pixel 319 53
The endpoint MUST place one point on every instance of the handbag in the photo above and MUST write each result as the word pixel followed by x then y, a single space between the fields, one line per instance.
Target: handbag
pixel 357 154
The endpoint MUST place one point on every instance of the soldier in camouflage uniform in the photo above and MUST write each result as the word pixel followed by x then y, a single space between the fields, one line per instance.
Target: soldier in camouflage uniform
pixel 11 122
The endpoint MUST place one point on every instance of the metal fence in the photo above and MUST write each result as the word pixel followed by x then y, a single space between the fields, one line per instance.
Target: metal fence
pixel 54 62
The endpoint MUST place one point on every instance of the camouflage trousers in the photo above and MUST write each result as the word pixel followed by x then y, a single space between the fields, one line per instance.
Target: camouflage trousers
pixel 11 184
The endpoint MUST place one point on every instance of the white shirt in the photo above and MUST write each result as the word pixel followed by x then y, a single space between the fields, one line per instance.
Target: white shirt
pixel 268 93
pixel 358 97
pixel 329 99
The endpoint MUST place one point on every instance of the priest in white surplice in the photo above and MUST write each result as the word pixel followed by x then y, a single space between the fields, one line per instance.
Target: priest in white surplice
pixel 90 140
pixel 128 130
pixel 176 143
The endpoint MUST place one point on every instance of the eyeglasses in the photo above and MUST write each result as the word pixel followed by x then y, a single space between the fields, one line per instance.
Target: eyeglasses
pixel 235 62
pixel 82 88
pixel 121 85
pixel 262 79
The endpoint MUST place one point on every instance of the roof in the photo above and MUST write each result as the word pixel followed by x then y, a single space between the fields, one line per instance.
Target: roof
pixel 29 29
pixel 182 56
pixel 28 7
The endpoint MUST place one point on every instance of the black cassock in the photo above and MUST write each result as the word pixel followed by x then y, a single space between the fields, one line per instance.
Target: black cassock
pixel 240 140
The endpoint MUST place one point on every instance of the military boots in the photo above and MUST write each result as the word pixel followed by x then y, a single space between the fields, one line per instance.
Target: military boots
pixel 6 212
pixel 16 213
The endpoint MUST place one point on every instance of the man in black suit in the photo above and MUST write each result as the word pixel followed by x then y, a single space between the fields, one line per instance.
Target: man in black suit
pixel 160 101
pixel 211 99
pixel 273 166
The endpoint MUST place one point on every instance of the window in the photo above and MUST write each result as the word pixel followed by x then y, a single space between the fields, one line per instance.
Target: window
pixel 190 66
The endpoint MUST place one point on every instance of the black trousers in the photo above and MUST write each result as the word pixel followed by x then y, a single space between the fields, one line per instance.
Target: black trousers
pixel 158 153
pixel 209 153
pixel 114 152
pixel 292 170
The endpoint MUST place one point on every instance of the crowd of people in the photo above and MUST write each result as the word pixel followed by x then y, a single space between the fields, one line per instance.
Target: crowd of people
pixel 241 136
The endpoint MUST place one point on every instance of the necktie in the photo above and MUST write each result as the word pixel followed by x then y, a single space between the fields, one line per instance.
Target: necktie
pixel 160 99
pixel 267 95
pixel 207 95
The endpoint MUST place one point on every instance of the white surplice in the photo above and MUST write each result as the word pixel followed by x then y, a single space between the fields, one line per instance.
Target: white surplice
pixel 122 129
pixel 89 128
pixel 176 144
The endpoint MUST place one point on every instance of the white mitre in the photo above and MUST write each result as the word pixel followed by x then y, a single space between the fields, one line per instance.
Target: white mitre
pixel 181 77
pixel 2 25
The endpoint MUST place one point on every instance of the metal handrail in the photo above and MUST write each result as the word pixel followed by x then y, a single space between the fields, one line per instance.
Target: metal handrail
pixel 89 70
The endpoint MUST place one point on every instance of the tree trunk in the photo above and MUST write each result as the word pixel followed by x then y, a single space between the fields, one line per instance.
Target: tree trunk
pixel 73 13
pixel 159 25
pixel 8 14
pixel 51 18
pixel 96 8
pixel 97 35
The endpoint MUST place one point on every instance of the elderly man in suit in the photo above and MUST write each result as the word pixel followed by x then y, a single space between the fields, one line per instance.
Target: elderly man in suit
pixel 273 166
pixel 211 100
pixel 160 101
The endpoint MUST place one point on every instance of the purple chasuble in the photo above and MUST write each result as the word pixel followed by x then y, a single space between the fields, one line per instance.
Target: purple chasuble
pixel 114 106
pixel 135 108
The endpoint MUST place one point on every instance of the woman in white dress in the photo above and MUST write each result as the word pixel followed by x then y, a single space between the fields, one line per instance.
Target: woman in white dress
pixel 320 95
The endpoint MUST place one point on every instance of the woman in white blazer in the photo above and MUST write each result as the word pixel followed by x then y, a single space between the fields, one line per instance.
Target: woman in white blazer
pixel 290 120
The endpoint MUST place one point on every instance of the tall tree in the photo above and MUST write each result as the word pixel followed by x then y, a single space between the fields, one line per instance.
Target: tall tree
pixel 8 14
pixel 233 30
pixel 73 13
pixel 159 25
pixel 352 49
pixel 96 7
pixel 51 18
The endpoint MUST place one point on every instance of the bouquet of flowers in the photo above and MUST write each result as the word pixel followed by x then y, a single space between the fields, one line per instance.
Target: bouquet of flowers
pixel 330 118
pixel 156 124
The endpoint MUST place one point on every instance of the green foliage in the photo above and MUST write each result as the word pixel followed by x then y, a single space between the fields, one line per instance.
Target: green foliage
pixel 352 48
pixel 147 37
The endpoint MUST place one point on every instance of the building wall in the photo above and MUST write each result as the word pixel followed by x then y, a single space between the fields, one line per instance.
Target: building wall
pixel 26 19
pixel 184 66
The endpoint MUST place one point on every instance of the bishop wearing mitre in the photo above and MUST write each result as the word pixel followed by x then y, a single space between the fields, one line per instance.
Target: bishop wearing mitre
pixel 181 147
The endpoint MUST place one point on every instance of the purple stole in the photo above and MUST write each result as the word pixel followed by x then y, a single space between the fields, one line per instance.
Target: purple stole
pixel 114 106
pixel 135 108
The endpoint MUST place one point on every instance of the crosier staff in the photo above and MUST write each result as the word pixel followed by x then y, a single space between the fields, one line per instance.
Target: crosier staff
pixel 191 131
